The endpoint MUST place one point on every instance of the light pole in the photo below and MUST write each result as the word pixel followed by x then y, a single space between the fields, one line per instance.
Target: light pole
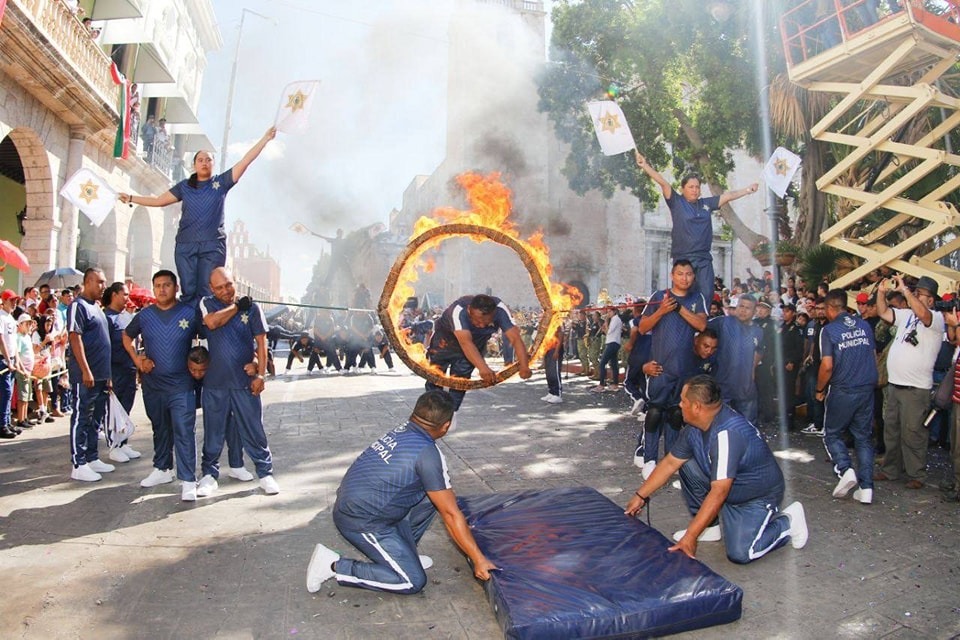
pixel 233 82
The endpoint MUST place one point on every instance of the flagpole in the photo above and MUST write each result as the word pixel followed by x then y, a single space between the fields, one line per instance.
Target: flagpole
pixel 233 83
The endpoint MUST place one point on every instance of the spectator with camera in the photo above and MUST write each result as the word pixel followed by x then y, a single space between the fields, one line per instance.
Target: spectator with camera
pixel 920 331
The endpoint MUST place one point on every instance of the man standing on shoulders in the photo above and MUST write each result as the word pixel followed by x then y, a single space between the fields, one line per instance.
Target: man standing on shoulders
pixel 726 471
pixel 692 216
pixel 845 384
pixel 231 398
pixel 914 349
pixel 168 329
pixel 90 374
pixel 386 502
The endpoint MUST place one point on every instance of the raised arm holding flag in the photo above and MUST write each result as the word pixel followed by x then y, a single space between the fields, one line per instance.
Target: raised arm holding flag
pixel 613 132
pixel 295 104
pixel 692 234
pixel 201 243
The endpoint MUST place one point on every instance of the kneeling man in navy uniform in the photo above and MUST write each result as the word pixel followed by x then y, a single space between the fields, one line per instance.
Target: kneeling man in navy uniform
pixel 727 471
pixel 386 502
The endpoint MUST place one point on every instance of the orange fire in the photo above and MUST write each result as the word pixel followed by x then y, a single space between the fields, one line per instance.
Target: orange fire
pixel 490 206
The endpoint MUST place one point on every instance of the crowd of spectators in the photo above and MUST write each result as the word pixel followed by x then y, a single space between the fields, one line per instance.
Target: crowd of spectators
pixel 791 320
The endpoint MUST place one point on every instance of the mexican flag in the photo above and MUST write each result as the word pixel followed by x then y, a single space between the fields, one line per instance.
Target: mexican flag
pixel 121 144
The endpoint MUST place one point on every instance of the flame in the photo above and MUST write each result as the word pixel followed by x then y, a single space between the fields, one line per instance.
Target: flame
pixel 490 203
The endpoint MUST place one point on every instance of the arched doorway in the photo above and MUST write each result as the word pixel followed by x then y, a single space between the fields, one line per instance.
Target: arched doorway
pixel 13 205
pixel 26 204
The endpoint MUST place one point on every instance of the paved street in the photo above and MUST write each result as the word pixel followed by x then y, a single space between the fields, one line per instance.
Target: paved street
pixel 112 560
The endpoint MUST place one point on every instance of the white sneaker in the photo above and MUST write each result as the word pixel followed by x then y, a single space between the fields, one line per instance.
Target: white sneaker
pixel 648 468
pixel 847 481
pixel 101 467
pixel 207 486
pixel 319 570
pixel 85 474
pixel 637 407
pixel 552 399
pixel 710 534
pixel 240 473
pixel 811 430
pixel 863 496
pixel 132 453
pixel 188 491
pixel 117 455
pixel 426 562
pixel 638 457
pixel 798 525
pixel 157 477
pixel 269 485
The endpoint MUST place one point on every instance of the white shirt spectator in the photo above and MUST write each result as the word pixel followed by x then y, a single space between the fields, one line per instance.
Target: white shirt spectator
pixel 914 362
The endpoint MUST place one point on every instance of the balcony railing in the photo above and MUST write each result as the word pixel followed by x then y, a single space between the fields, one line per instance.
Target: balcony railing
pixel 72 39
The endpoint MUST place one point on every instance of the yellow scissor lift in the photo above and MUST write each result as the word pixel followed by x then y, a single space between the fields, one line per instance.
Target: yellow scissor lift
pixel 885 59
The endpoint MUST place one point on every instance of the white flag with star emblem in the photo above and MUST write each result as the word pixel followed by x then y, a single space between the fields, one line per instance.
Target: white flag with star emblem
pixel 90 194
pixel 613 133
pixel 295 104
pixel 780 169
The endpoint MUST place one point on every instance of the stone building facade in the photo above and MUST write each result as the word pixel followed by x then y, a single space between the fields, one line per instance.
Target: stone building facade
pixel 493 124
pixel 59 113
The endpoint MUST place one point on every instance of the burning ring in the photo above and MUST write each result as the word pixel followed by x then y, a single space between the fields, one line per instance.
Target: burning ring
pixel 421 243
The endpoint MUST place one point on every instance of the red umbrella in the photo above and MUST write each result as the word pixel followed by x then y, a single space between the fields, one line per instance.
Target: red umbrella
pixel 12 255
pixel 142 296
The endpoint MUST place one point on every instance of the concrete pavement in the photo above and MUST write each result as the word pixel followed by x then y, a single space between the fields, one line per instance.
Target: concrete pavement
pixel 112 560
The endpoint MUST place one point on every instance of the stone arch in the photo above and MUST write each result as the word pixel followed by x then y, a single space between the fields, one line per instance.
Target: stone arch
pixel 38 232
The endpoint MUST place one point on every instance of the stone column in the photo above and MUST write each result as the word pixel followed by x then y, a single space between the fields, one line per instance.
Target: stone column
pixel 69 224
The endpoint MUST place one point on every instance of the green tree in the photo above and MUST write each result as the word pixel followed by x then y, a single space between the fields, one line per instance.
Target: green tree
pixel 684 81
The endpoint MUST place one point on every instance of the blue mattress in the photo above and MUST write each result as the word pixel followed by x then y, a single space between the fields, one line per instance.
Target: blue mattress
pixel 574 566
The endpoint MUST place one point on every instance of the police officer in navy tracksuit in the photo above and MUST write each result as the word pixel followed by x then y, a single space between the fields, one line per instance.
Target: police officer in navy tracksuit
pixel 231 327
pixel 386 502
pixel 845 383
pixel 671 317
pixel 727 471
pixel 460 338
pixel 168 329
pixel 740 347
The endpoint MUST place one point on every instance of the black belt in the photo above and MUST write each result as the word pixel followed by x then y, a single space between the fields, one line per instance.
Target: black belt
pixel 901 386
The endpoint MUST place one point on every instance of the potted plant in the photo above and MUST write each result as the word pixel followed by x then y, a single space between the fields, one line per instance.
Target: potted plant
pixel 787 252
pixel 761 251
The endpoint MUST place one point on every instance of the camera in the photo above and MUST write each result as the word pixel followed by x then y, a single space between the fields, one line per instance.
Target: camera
pixel 945 305
pixel 911 338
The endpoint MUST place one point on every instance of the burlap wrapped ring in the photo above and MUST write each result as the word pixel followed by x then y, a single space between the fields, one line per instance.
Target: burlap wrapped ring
pixel 413 252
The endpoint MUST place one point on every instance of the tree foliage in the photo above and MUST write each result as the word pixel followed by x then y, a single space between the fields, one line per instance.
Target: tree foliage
pixel 684 81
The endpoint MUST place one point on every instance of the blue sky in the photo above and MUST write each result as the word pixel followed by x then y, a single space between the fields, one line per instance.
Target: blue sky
pixel 379 119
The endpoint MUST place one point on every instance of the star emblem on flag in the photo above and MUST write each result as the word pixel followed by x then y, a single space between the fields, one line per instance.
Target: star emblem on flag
pixel 296 101
pixel 244 318
pixel 88 191
pixel 610 122
pixel 216 184
pixel 184 324
pixel 781 166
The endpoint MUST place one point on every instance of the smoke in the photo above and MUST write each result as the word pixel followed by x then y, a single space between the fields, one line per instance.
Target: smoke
pixel 381 113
